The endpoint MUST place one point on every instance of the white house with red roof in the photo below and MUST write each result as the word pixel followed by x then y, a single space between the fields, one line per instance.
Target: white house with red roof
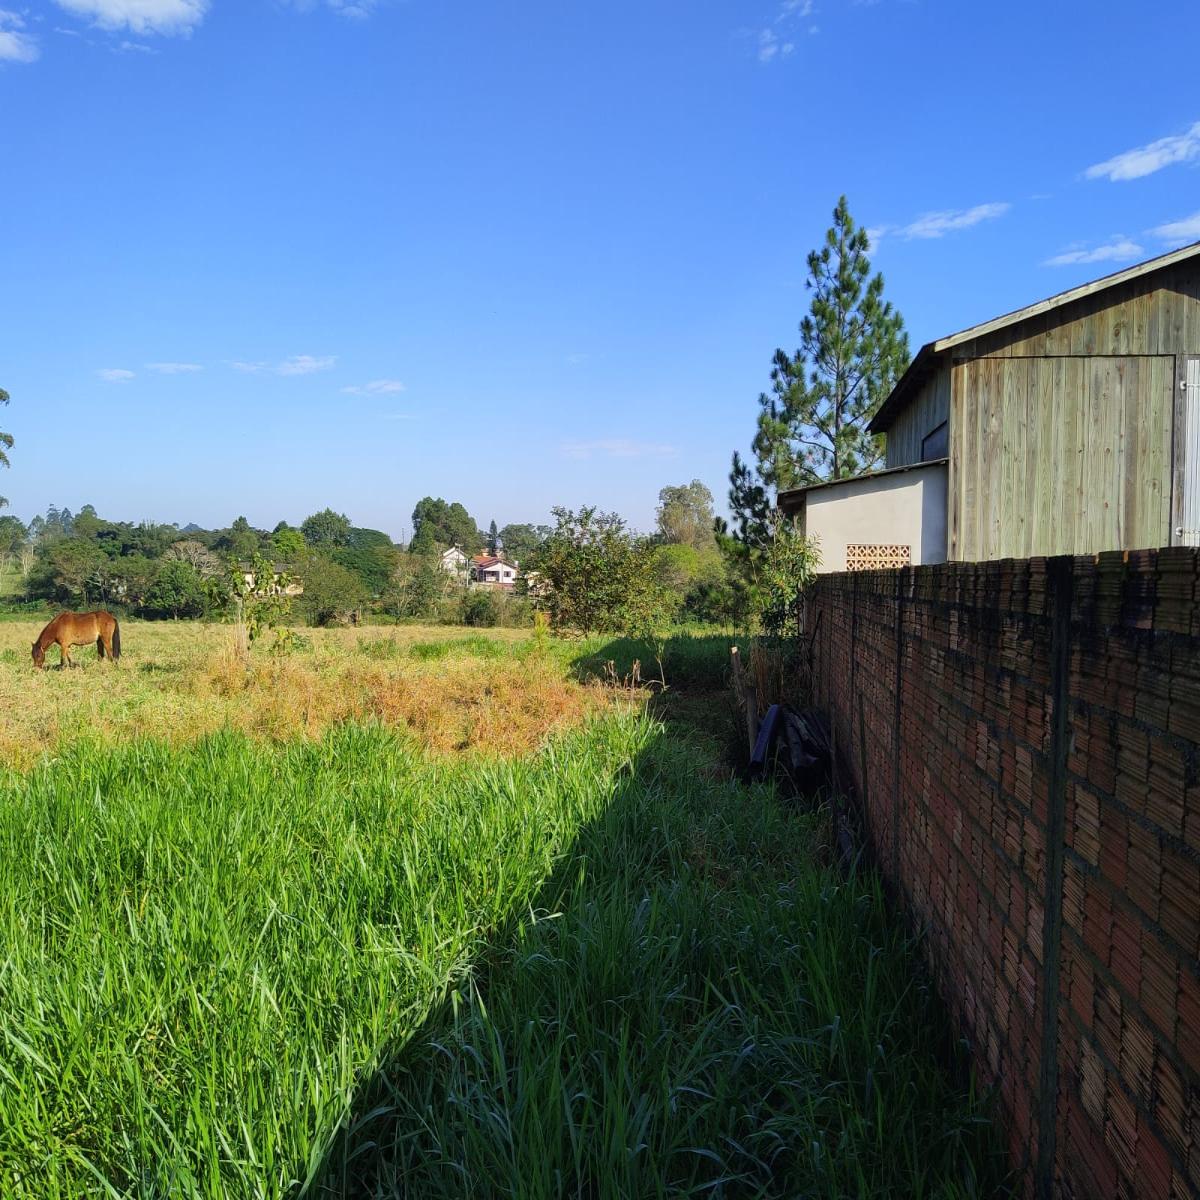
pixel 493 571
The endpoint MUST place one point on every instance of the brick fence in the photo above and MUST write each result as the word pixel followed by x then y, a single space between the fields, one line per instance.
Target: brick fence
pixel 1023 739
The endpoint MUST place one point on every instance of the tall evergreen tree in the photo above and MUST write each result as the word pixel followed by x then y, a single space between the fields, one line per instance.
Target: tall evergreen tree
pixel 812 425
pixel 493 539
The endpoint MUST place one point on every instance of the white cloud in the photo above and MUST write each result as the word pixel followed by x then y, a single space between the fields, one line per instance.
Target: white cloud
pixel 1116 249
pixel 616 448
pixel 15 44
pixel 1179 233
pixel 173 368
pixel 772 45
pixel 938 224
pixel 305 364
pixel 141 16
pixel 1145 160
pixel 354 10
pixel 115 374
pixel 377 387
pixel 950 220
pixel 136 47
pixel 298 364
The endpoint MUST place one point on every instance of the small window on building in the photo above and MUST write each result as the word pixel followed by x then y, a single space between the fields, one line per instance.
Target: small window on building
pixel 877 557
pixel 936 444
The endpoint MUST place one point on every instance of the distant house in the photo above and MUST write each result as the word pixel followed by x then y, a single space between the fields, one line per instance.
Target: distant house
pixel 1068 427
pixel 455 562
pixel 294 587
pixel 493 571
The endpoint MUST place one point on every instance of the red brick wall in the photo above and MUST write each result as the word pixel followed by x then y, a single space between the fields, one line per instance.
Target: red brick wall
pixel 1023 742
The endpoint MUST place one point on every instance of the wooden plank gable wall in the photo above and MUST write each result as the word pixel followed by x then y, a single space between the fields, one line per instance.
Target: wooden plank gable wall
pixel 929 408
pixel 1062 426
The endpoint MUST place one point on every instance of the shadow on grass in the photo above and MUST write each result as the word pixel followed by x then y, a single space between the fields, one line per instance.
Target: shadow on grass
pixel 690 680
pixel 689 662
pixel 697 1004
pixel 688 677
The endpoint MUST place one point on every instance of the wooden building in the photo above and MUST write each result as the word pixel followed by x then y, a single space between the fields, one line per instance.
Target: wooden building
pixel 1071 426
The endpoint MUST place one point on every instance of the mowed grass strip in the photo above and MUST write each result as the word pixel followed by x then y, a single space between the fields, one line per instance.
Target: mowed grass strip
pixel 699 1006
pixel 205 950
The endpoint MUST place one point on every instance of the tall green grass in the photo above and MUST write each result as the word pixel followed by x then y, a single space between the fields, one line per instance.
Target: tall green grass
pixel 204 952
pixel 698 1006
pixel 352 968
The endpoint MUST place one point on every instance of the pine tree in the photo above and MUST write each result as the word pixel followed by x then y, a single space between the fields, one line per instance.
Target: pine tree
pixel 493 539
pixel 813 424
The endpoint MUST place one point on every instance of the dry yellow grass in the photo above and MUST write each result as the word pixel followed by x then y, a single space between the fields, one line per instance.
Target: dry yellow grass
pixel 457 690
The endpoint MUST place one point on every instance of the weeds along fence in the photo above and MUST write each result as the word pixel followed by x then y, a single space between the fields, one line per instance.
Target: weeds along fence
pixel 1023 743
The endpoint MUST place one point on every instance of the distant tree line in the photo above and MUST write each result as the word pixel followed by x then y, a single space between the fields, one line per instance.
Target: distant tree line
pixel 152 570
pixel 588 570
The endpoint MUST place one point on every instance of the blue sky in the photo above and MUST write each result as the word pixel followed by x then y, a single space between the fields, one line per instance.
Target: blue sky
pixel 259 257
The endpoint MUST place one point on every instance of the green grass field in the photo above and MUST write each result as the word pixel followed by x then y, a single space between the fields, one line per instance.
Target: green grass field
pixel 364 961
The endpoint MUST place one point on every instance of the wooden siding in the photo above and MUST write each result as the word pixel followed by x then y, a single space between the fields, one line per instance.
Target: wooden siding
pixel 1060 455
pixel 929 408
pixel 1154 314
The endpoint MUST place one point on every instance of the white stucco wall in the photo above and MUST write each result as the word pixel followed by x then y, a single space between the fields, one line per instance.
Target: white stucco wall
pixel 902 508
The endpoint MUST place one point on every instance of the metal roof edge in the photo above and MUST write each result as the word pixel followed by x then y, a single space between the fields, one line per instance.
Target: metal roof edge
pixel 796 493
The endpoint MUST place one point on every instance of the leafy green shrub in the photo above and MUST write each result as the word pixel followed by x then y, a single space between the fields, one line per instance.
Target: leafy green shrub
pixel 176 591
pixel 516 613
pixel 289 641
pixel 331 591
pixel 596 575
pixel 787 568
pixel 479 608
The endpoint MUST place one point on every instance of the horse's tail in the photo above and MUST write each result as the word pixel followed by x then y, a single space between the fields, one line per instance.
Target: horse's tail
pixel 116 639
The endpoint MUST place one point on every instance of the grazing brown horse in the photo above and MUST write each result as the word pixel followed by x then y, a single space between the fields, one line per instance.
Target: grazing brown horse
pixel 78 629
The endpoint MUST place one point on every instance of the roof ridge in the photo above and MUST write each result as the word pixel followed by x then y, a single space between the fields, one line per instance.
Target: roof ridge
pixel 881 421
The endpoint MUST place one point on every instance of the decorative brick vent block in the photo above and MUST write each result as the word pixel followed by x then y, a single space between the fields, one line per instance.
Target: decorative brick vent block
pixel 1022 739
pixel 873 558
